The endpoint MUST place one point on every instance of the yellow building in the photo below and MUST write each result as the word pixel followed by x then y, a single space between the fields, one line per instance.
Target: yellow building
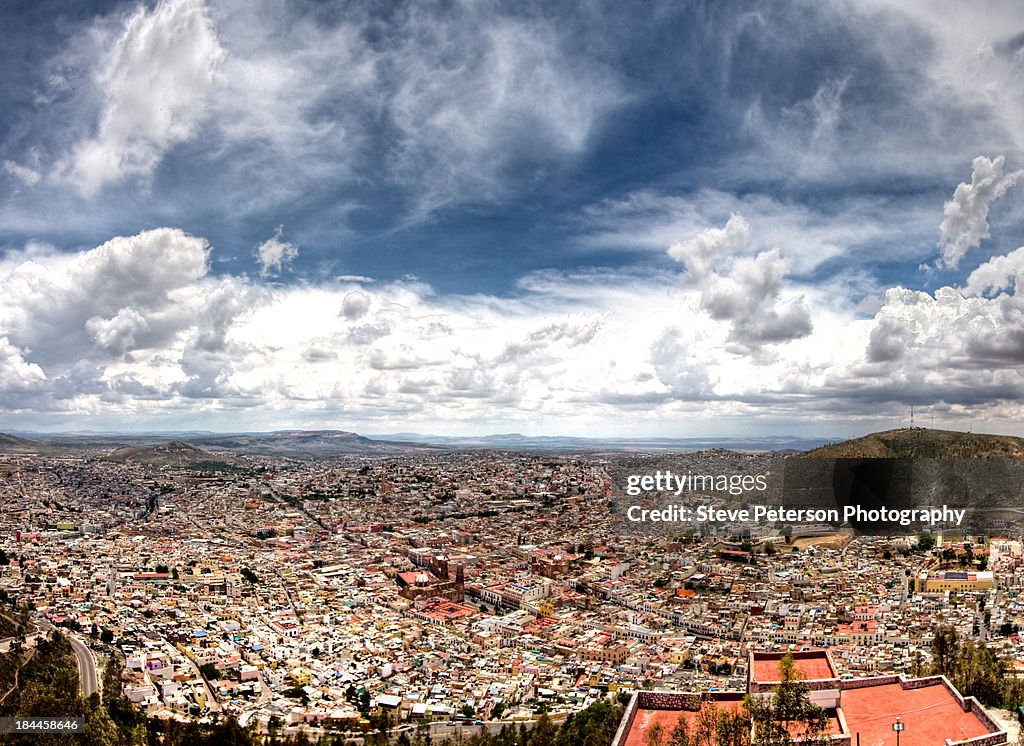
pixel 950 580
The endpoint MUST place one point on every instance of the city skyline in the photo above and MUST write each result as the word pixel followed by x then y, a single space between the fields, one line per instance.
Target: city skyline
pixel 798 219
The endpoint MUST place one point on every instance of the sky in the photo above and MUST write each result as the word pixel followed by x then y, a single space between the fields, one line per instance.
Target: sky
pixel 595 218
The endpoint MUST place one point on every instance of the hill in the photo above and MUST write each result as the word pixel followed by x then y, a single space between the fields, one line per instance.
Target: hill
pixel 178 455
pixel 307 444
pixel 12 444
pixel 919 442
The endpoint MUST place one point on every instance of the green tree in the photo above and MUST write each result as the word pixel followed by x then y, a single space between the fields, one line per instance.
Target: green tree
pixel 544 732
pixel 945 650
pixel 656 735
pixel 680 734
pixel 788 716
pixel 732 728
pixel 704 724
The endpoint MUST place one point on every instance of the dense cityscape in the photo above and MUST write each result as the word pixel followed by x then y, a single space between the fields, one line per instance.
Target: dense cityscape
pixel 450 593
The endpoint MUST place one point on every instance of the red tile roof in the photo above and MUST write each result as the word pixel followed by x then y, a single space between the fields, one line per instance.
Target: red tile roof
pixel 930 715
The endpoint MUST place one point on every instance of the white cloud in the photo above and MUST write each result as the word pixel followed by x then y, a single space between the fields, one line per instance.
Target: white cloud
pixel 153 82
pixel 29 177
pixel 275 254
pixel 68 306
pixel 999 273
pixel 700 253
pixel 973 57
pixel 750 297
pixel 817 120
pixel 17 375
pixel 355 305
pixel 138 328
pixel 318 354
pixel 117 334
pixel 679 366
pixel 965 224
pixel 746 291
pixel 852 228
pixel 890 340
pixel 477 93
pixel 948 347
pixel 448 104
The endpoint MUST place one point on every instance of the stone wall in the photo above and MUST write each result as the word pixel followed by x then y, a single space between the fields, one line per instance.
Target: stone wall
pixel 682 700
pixel 627 721
pixel 873 681
pixel 991 739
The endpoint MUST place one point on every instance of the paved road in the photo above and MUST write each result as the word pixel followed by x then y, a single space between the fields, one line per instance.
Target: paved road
pixel 86 666
pixel 86 663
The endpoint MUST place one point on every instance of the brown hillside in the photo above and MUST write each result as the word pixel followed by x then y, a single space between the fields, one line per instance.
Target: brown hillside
pixel 919 442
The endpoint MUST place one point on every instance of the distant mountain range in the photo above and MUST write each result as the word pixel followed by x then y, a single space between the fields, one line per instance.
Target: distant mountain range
pixel 517 441
pixel 201 449
pixel 328 443
pixel 207 449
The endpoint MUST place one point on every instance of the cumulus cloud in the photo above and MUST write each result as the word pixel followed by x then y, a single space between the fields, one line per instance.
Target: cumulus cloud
pixel 999 273
pixel 139 325
pixel 15 373
pixel 678 367
pixel 154 82
pixel 749 297
pixel 275 254
pixel 747 291
pixel 138 314
pixel 965 221
pixel 889 340
pixel 945 347
pixel 132 290
pixel 699 254
pixel 210 356
pixel 368 333
pixel 318 354
pixel 355 305
pixel 117 334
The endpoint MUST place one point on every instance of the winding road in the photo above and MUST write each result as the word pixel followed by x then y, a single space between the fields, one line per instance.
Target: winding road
pixel 86 663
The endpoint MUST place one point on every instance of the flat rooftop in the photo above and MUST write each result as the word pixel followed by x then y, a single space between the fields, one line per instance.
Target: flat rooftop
pixel 810 665
pixel 930 715
pixel 645 720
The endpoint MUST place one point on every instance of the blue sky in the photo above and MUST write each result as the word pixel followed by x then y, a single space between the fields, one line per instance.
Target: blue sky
pixel 599 218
